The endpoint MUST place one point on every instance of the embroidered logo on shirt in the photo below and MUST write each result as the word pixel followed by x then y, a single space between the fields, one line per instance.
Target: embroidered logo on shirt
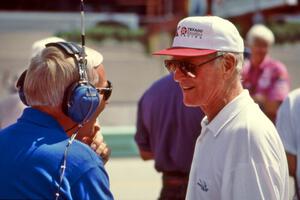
pixel 202 185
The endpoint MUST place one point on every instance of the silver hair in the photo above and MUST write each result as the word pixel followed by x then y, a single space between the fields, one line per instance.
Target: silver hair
pixel 239 60
pixel 262 32
pixel 49 75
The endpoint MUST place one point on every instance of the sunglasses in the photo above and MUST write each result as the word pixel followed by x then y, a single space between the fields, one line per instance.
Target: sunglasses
pixel 187 68
pixel 106 92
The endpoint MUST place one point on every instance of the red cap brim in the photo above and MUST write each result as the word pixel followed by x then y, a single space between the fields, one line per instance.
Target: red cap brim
pixel 181 51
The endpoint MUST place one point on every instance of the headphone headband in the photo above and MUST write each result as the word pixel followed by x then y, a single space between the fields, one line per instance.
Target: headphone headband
pixel 72 49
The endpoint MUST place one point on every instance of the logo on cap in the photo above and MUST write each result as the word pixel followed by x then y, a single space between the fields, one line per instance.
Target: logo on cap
pixel 183 31
pixel 189 32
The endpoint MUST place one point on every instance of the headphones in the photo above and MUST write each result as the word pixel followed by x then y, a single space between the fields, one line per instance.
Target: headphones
pixel 81 98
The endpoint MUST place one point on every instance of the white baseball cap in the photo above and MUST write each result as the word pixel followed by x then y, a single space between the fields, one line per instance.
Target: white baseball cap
pixel 198 36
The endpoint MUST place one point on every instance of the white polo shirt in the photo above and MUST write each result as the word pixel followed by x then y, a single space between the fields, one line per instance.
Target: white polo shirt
pixel 238 156
pixel 288 125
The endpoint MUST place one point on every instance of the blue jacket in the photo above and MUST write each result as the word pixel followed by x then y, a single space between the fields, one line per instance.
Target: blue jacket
pixel 31 153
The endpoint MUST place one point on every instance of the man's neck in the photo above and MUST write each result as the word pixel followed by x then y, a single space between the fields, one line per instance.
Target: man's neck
pixel 59 116
pixel 219 103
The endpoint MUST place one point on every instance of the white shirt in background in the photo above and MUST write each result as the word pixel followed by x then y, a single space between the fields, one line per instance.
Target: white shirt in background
pixel 288 125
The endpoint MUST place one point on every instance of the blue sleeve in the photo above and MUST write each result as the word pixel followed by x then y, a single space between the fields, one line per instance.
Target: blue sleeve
pixel 93 184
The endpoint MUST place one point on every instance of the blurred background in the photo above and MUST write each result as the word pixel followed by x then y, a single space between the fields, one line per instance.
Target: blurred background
pixel 126 32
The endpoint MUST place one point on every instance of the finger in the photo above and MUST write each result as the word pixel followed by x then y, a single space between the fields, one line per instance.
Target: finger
pixel 106 154
pixel 98 135
pixel 98 139
pixel 100 148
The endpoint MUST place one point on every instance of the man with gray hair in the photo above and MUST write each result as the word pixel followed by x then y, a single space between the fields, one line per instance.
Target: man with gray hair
pixel 238 154
pixel 40 158
pixel 266 78
pixel 11 107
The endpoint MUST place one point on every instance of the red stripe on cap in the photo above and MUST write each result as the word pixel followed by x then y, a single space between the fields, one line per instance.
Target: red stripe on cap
pixel 180 51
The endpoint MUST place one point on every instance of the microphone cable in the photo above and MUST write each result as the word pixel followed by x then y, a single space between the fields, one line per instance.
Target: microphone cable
pixel 64 161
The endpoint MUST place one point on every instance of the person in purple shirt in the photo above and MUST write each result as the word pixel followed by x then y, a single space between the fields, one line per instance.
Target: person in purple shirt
pixel 167 131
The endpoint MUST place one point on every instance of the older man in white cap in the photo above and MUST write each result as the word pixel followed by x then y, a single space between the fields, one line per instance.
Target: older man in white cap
pixel 266 78
pixel 238 154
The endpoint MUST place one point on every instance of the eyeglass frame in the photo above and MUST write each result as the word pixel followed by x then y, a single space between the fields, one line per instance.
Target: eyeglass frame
pixel 105 91
pixel 192 67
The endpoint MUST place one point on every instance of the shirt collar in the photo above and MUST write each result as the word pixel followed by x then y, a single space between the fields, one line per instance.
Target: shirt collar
pixel 39 118
pixel 227 113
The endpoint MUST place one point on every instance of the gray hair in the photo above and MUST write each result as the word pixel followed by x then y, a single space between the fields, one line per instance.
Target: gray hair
pixel 49 74
pixel 262 32
pixel 239 60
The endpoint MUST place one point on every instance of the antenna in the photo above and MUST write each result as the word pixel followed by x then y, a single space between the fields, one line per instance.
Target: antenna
pixel 82 25
pixel 82 60
pixel 83 78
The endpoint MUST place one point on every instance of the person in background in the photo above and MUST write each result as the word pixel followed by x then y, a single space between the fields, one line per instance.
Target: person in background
pixel 266 78
pixel 239 154
pixel 288 126
pixel 166 132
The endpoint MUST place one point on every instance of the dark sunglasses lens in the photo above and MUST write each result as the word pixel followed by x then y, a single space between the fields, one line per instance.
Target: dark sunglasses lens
pixel 107 94
pixel 171 65
pixel 108 91
pixel 185 68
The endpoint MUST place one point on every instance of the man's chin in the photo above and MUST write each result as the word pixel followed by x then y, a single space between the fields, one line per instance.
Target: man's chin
pixel 187 102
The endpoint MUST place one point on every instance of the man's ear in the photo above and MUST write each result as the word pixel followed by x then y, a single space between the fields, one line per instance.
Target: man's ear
pixel 229 65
